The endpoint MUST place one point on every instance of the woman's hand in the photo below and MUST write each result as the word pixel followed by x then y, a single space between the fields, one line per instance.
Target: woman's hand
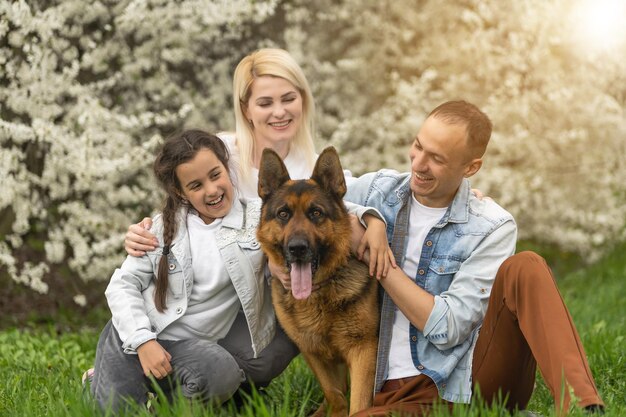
pixel 281 273
pixel 154 359
pixel 139 240
pixel 479 194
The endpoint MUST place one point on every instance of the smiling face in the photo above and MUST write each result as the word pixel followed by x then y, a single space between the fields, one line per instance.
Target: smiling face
pixel 205 182
pixel 440 159
pixel 275 109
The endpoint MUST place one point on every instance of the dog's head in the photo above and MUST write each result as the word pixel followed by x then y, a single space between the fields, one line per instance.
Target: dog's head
pixel 304 223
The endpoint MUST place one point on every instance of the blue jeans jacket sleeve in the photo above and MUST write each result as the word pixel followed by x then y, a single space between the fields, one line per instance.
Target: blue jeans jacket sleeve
pixel 461 308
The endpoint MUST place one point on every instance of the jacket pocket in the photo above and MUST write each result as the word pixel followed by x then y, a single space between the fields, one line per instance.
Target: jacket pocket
pixel 175 278
pixel 252 251
pixel 442 272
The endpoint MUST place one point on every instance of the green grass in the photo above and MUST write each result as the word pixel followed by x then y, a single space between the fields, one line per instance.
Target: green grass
pixel 40 368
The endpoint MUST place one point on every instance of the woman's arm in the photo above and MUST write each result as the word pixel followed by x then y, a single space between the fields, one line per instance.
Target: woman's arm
pixel 139 240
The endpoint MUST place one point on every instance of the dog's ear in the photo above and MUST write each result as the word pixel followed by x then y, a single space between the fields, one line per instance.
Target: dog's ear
pixel 329 174
pixel 272 173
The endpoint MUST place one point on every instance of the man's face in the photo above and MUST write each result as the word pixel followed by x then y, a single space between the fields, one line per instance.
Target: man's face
pixel 440 158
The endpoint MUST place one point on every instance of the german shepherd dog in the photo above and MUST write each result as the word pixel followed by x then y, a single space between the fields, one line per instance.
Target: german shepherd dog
pixel 331 311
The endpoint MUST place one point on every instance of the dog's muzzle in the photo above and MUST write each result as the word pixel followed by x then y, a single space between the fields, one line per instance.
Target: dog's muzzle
pixel 302 264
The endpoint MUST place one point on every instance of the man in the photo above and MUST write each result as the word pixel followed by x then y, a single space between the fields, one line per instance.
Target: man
pixel 461 312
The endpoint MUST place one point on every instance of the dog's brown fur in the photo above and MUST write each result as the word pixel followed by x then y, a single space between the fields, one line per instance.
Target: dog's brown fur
pixel 336 326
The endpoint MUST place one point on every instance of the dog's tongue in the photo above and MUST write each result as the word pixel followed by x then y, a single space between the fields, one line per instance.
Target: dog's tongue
pixel 301 281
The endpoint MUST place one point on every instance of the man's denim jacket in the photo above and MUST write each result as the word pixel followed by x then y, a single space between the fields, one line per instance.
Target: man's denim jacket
pixel 458 265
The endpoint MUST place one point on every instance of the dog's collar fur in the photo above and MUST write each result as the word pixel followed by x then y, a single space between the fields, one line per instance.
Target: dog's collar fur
pixel 319 285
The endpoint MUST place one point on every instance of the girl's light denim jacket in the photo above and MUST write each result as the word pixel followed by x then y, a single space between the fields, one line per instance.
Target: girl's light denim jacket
pixel 130 293
pixel 458 264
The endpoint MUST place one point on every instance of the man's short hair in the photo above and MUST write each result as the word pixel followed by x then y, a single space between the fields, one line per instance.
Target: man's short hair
pixel 477 124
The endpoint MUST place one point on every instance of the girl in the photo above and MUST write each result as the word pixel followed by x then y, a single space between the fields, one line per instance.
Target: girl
pixel 171 306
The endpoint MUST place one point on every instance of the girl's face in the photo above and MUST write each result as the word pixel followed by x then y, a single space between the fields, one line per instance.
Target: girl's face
pixel 275 109
pixel 205 182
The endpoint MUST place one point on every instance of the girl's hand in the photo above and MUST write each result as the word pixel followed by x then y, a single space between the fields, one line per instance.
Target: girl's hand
pixel 372 246
pixel 139 240
pixel 154 359
pixel 281 273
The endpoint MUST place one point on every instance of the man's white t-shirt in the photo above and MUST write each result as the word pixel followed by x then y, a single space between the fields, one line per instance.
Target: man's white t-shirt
pixel 421 220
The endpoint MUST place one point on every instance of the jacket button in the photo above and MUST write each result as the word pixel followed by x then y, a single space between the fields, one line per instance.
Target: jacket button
pixel 414 338
pixel 441 269
pixel 420 367
pixel 172 267
pixel 421 272
pixel 429 243
pixel 179 310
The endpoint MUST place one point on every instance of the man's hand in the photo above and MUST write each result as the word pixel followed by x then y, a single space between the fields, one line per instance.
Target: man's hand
pixel 154 359
pixel 370 245
pixel 139 240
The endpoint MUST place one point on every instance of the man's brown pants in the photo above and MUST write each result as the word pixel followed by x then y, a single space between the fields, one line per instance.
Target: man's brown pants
pixel 527 323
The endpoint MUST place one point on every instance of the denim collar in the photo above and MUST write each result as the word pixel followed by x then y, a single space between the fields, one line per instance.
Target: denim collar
pixel 458 211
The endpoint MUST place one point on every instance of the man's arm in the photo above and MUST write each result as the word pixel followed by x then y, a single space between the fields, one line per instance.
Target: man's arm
pixel 449 318
pixel 413 301
pixel 458 310
pixel 416 303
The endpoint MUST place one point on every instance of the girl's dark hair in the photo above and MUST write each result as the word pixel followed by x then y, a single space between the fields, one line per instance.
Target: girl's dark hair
pixel 176 150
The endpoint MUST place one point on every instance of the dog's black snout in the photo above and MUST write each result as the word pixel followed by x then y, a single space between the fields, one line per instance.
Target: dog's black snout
pixel 298 247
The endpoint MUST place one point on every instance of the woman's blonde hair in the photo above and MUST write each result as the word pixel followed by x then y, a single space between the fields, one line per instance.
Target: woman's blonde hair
pixel 276 63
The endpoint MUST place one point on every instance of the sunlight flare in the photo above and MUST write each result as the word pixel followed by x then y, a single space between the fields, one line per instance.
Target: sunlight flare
pixel 600 24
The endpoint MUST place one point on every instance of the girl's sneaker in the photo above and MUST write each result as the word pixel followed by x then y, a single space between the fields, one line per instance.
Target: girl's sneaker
pixel 87 379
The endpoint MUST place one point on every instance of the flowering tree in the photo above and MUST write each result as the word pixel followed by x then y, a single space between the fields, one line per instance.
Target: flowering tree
pixel 90 87
pixel 557 159
pixel 87 91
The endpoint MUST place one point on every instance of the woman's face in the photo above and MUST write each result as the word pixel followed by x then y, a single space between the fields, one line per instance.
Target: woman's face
pixel 275 109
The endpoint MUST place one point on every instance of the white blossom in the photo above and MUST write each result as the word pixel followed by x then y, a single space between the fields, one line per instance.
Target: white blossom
pixel 80 299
